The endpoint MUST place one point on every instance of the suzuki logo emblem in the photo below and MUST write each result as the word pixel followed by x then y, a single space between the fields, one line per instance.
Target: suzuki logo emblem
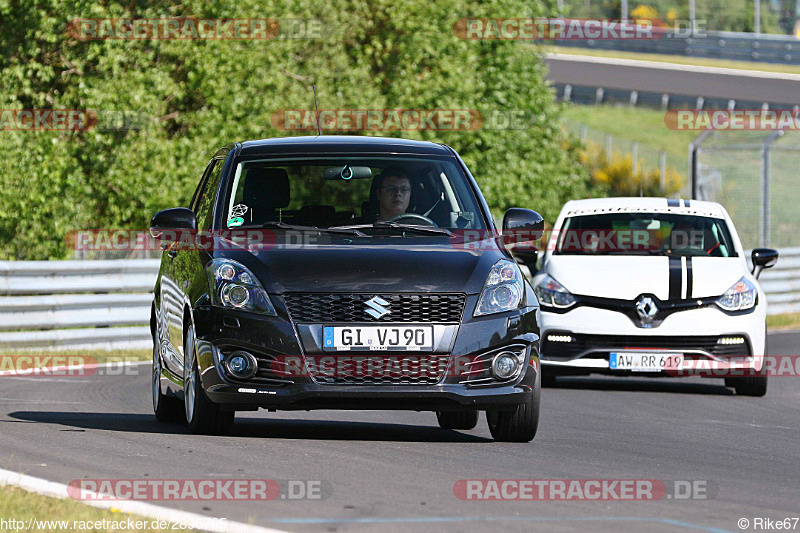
pixel 377 307
pixel 646 309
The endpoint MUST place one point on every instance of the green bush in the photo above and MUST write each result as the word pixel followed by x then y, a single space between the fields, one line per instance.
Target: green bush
pixel 199 95
pixel 618 177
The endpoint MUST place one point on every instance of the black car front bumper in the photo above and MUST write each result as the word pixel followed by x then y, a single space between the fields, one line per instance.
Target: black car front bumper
pixel 277 336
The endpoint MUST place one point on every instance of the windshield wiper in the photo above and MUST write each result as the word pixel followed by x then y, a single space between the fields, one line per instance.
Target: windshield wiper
pixel 412 227
pixel 338 231
pixel 403 227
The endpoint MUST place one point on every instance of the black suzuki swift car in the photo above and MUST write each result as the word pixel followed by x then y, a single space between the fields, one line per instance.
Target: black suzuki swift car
pixel 344 273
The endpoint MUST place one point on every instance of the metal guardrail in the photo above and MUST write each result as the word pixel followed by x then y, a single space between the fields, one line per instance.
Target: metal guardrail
pixel 106 304
pixel 783 49
pixel 76 304
pixel 782 283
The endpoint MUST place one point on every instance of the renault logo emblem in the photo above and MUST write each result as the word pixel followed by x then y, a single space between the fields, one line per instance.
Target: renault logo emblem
pixel 646 309
pixel 377 307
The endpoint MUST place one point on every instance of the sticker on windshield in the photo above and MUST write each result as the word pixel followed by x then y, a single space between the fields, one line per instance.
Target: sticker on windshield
pixel 238 210
pixel 235 221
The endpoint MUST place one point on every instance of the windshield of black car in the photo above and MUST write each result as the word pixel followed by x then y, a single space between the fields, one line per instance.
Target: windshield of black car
pixel 341 191
pixel 648 233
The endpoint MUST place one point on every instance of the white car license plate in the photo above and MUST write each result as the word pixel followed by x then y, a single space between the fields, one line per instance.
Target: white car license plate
pixel 645 361
pixel 401 338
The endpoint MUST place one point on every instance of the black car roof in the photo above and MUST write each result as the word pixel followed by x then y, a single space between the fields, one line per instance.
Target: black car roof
pixel 340 143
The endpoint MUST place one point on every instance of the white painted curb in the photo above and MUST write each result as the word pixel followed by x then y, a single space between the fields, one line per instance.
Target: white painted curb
pixel 148 510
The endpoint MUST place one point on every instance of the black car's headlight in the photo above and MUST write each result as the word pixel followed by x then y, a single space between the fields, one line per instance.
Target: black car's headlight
pixel 235 287
pixel 502 290
pixel 553 294
pixel 741 296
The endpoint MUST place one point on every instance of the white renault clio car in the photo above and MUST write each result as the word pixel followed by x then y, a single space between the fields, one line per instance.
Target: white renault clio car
pixel 651 287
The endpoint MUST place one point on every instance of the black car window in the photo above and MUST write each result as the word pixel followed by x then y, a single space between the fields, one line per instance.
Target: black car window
pixel 203 202
pixel 201 186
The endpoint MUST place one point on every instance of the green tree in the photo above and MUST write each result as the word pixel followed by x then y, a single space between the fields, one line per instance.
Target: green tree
pixel 197 95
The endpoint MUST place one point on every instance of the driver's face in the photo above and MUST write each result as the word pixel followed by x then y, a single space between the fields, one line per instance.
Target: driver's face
pixel 393 197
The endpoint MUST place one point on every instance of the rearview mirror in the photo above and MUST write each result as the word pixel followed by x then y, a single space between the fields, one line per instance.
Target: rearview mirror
pixel 347 173
pixel 763 258
pixel 176 218
pixel 521 229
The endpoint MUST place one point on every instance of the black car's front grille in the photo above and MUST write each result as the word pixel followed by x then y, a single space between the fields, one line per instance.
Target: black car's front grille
pixel 600 345
pixel 402 307
pixel 374 369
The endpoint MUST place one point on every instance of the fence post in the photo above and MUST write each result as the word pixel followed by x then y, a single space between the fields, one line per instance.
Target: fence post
pixel 662 174
pixel 608 148
pixel 694 148
pixel 765 146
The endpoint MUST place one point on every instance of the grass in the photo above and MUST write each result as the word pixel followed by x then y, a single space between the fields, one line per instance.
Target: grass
pixel 18 504
pixel 787 321
pixel 638 124
pixel 678 60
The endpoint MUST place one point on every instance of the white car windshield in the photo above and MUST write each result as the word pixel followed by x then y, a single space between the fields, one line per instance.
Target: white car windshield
pixel 645 234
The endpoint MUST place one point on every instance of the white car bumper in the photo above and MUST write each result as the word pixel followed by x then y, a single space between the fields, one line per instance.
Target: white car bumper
pixel 706 337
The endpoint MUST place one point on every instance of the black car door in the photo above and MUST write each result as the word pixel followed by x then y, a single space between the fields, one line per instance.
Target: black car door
pixel 188 264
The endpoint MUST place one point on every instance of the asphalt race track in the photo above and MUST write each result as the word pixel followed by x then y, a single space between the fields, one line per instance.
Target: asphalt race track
pixel 670 78
pixel 394 471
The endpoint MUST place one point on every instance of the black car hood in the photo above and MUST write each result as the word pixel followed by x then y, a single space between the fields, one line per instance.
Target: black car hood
pixel 410 264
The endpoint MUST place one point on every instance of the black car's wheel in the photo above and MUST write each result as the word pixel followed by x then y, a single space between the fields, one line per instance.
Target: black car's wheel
pixel 749 386
pixel 457 419
pixel 202 415
pixel 519 424
pixel 166 409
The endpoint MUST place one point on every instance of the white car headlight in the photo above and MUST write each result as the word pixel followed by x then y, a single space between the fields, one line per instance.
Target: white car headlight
pixel 739 297
pixel 502 290
pixel 553 294
pixel 235 287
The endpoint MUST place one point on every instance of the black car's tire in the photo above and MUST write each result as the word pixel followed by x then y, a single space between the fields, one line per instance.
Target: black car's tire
pixel 457 419
pixel 166 409
pixel 520 424
pixel 203 416
pixel 749 386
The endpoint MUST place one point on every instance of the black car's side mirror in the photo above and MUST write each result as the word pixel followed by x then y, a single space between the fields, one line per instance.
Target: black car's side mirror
pixel 763 258
pixel 521 229
pixel 172 220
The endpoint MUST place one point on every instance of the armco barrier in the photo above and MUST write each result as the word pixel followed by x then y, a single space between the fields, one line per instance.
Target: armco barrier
pixel 106 304
pixel 783 49
pixel 782 283
pixel 76 304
